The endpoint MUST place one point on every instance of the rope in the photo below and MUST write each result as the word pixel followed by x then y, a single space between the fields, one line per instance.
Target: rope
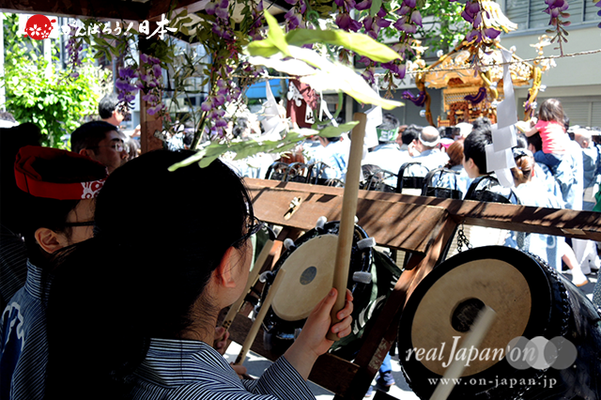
pixel 425 70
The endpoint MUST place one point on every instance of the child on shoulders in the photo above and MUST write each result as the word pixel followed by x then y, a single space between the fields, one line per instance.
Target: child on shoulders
pixel 552 131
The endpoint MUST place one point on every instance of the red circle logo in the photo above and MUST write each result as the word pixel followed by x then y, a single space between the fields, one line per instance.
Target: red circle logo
pixel 38 27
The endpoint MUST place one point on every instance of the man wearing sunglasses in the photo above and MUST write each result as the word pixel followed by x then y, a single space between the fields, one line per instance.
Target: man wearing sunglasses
pixel 101 142
pixel 59 210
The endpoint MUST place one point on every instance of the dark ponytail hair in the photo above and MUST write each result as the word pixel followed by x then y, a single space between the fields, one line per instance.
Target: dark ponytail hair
pixel 524 161
pixel 455 153
pixel 141 274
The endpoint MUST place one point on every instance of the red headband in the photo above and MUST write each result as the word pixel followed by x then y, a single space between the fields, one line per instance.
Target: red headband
pixel 58 174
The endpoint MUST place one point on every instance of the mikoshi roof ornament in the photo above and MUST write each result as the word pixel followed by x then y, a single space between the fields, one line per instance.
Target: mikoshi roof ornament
pixel 471 75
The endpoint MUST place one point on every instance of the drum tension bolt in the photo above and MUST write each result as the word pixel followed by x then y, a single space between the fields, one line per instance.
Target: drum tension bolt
pixel 293 207
pixel 289 244
pixel 266 276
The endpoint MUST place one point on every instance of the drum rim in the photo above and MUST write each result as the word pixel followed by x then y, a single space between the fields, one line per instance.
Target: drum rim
pixel 308 235
pixel 541 297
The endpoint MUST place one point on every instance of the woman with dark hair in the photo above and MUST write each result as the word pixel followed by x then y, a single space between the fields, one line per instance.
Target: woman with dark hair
pixel 132 311
pixel 459 179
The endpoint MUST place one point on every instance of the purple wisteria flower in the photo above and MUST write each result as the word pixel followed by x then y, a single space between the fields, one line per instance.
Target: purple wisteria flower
pixel 369 75
pixel 74 48
pixel 293 19
pixel 348 5
pixel 475 15
pixel 221 27
pixel 410 19
pixel 404 10
pixel 255 28
pixel 469 12
pixel 294 16
pixel 347 23
pixel 147 78
pixel 126 89
pixel 492 32
pixel 402 24
pixel 396 68
pixel 555 7
pixel 418 100
pixel 416 17
pixel 364 5
pixel 150 76
pixel 373 25
pixel 222 11
pixel 474 35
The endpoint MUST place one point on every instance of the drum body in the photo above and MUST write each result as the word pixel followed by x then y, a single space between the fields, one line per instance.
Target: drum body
pixel 309 266
pixel 545 341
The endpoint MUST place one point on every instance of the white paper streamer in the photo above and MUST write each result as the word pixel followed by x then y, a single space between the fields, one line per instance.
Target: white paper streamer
pixel 504 138
pixel 499 157
pixel 374 119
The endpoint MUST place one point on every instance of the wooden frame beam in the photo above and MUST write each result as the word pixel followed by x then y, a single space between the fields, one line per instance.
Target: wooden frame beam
pixel 568 223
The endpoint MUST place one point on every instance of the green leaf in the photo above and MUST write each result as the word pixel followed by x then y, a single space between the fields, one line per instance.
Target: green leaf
pixel 335 131
pixel 357 42
pixel 375 7
pixel 263 48
pixel 101 42
pixel 276 34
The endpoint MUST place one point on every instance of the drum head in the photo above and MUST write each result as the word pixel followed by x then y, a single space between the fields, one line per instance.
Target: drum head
pixel 447 310
pixel 309 278
pixel 440 312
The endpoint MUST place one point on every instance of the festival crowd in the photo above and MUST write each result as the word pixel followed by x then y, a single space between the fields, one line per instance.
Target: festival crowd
pixel 82 272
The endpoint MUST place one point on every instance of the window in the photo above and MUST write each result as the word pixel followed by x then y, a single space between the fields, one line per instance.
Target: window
pixel 529 14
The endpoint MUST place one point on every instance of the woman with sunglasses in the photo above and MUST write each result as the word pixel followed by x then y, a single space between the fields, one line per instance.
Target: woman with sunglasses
pixel 132 312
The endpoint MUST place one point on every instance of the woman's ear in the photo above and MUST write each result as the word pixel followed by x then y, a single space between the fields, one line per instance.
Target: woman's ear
pixel 223 273
pixel 49 240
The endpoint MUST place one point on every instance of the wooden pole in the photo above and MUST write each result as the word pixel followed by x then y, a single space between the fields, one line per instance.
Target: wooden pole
pixel 252 278
pixel 252 333
pixel 347 219
pixel 473 339
pixel 149 124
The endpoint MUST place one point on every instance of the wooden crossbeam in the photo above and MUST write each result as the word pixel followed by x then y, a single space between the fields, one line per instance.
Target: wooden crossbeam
pixel 379 221
pixel 396 225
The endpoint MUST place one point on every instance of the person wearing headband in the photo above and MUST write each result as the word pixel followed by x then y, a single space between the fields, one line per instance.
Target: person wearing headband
pixel 147 302
pixel 13 254
pixel 61 187
pixel 430 156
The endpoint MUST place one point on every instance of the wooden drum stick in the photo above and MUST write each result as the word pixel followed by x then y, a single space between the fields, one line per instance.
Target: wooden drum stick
pixel 347 219
pixel 479 330
pixel 252 278
pixel 254 329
